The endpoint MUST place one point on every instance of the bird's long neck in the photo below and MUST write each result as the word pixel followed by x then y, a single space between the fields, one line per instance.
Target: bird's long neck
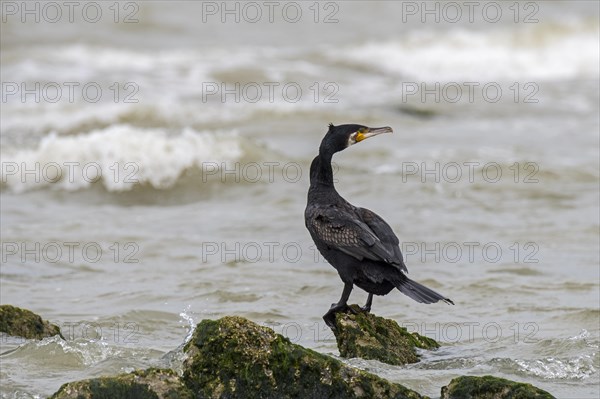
pixel 321 172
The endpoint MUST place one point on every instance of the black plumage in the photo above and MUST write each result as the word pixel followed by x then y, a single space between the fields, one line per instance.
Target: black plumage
pixel 356 241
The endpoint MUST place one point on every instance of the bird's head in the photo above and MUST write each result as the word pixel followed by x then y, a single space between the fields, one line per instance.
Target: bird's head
pixel 341 137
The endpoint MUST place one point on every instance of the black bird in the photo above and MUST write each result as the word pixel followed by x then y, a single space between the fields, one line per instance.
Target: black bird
pixel 356 241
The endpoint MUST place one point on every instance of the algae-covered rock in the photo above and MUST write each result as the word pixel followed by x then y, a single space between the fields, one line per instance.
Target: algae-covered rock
pixel 235 358
pixel 24 323
pixel 143 384
pixel 488 387
pixel 364 335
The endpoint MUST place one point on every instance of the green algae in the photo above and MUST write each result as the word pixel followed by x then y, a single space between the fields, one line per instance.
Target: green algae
pixel 489 387
pixel 235 358
pixel 24 323
pixel 142 384
pixel 364 335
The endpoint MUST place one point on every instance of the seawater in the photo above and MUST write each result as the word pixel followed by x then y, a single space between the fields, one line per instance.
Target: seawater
pixel 158 177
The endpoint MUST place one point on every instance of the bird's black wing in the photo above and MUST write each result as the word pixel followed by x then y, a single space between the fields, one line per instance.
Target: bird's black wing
pixel 385 234
pixel 345 231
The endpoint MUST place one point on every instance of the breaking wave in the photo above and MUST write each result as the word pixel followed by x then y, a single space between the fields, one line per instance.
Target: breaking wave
pixel 119 157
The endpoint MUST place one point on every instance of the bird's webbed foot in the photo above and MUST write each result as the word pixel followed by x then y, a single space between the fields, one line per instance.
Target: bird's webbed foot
pixel 367 307
pixel 329 317
pixel 338 307
pixel 341 306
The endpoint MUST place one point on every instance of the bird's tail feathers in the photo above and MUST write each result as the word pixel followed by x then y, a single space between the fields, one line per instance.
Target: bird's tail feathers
pixel 419 292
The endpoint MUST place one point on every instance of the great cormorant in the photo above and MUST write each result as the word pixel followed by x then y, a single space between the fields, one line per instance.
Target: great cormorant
pixel 356 241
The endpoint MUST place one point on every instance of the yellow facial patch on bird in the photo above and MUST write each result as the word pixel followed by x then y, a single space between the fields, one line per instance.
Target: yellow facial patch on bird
pixel 360 134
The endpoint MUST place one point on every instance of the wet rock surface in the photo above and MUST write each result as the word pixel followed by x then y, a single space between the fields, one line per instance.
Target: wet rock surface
pixel 24 323
pixel 489 387
pixel 235 358
pixel 364 335
pixel 141 384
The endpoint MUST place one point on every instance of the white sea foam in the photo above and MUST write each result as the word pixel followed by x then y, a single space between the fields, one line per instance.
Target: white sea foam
pixel 170 82
pixel 580 367
pixel 119 157
pixel 187 318
pixel 565 53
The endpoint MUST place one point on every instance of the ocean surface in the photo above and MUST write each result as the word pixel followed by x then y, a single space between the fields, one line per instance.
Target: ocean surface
pixel 155 167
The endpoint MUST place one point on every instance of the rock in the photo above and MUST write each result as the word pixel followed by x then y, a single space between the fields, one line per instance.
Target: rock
pixel 143 384
pixel 364 335
pixel 24 323
pixel 235 358
pixel 488 387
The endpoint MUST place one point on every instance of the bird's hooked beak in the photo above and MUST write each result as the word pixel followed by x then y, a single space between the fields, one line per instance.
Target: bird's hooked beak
pixel 364 134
